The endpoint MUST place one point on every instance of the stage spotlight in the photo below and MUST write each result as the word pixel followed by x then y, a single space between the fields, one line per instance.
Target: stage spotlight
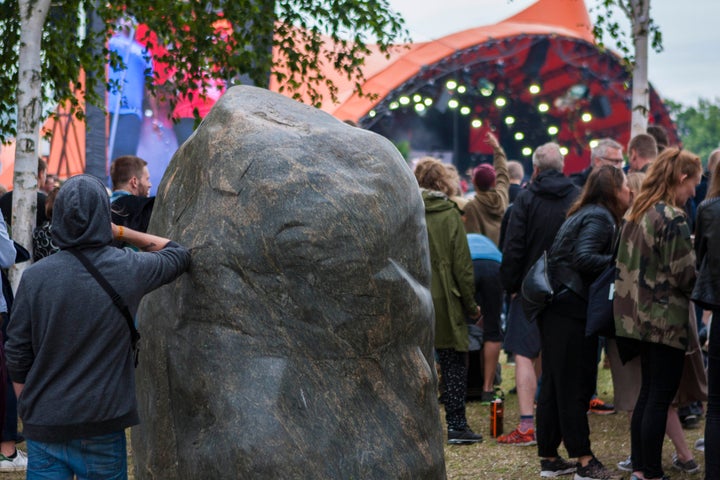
pixel 394 105
pixel 500 102
pixel 476 123
pixel 465 110
pixel 372 113
pixel 543 107
pixel 527 151
pixel 428 101
pixel 485 87
pixel 461 89
pixel 451 84
pixel 509 120
pixel 553 130
pixel 404 100
pixel 586 117
pixel 534 88
pixel 419 107
pixel 594 143
pixel 452 103
pixel 564 150
pixel 519 136
pixel 417 98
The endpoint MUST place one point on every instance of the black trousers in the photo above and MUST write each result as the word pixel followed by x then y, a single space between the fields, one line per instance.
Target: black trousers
pixel 569 368
pixel 712 421
pixel 661 368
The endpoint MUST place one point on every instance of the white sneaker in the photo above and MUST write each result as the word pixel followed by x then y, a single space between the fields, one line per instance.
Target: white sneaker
pixel 700 444
pixel 17 464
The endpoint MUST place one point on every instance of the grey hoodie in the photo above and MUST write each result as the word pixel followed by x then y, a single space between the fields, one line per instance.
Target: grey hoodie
pixel 67 342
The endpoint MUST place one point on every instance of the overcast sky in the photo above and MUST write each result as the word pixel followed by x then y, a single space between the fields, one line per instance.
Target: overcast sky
pixel 688 68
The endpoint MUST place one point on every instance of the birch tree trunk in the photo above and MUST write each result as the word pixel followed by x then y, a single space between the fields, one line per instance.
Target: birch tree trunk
pixel 640 87
pixel 32 19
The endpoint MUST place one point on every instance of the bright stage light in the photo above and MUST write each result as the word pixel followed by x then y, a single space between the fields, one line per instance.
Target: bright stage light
pixel 543 107
pixel 394 105
pixel 553 130
pixel 419 107
pixel 451 84
pixel 564 150
pixel 527 151
pixel 500 102
pixel 594 143
pixel 417 98
pixel 404 100
pixel 428 101
pixel 461 89
pixel 509 120
pixel 452 103
pixel 476 123
pixel 519 135
pixel 534 89
pixel 465 110
pixel 586 117
pixel 372 113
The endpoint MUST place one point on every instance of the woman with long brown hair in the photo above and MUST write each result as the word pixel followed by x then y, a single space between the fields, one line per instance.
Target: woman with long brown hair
pixel 581 251
pixel 656 274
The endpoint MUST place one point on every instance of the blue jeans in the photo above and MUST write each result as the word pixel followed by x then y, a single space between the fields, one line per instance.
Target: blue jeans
pixel 96 458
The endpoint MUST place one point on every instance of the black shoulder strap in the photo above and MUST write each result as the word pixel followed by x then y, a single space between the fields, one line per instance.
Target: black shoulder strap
pixel 116 299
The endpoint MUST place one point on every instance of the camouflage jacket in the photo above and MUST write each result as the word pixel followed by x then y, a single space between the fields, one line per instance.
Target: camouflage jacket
pixel 656 274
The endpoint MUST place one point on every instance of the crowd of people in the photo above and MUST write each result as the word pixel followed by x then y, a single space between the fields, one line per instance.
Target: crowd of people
pixel 652 220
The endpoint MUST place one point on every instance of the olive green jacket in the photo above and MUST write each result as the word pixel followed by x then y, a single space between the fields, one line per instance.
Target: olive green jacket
pixel 452 286
pixel 656 274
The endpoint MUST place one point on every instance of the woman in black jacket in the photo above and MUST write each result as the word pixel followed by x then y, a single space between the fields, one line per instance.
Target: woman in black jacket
pixel 707 295
pixel 581 251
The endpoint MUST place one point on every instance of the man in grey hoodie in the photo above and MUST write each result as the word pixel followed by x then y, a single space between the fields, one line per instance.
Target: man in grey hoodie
pixel 69 350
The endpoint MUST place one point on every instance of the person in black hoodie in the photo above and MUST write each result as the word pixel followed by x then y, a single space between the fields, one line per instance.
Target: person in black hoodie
pixel 536 216
pixel 69 350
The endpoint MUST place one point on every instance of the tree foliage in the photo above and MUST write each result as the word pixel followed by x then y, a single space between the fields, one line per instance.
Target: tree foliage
pixel 609 24
pixel 698 125
pixel 195 52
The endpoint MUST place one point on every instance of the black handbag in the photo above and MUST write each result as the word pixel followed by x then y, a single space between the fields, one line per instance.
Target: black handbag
pixel 600 317
pixel 536 292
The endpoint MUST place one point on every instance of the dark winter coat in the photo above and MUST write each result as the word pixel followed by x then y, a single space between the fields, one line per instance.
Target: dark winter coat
pixel 536 216
pixel 707 235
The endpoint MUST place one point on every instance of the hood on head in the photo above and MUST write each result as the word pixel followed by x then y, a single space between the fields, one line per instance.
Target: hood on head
pixel 81 214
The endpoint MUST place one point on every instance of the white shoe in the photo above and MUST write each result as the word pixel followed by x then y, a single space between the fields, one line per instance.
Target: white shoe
pixel 17 464
pixel 700 444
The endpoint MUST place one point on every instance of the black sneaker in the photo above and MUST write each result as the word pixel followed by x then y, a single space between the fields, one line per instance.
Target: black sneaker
pixel 467 436
pixel 555 468
pixel 594 470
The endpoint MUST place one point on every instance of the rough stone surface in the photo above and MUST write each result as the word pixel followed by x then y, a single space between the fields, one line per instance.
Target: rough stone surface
pixel 300 343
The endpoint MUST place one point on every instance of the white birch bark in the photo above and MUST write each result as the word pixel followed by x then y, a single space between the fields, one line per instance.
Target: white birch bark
pixel 640 87
pixel 29 101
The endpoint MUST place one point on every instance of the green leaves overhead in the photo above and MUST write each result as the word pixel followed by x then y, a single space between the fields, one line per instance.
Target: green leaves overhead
pixel 196 48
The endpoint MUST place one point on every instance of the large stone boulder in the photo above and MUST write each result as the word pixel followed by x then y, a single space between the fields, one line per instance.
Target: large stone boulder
pixel 299 345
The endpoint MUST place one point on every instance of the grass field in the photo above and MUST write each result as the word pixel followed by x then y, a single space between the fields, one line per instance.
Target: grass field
pixel 610 438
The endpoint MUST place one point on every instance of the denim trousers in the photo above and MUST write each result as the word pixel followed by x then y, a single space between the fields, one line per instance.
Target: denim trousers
pixel 712 421
pixel 95 458
pixel 661 367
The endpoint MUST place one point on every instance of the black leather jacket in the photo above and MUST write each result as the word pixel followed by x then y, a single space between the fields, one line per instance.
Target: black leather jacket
pixel 707 233
pixel 582 249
